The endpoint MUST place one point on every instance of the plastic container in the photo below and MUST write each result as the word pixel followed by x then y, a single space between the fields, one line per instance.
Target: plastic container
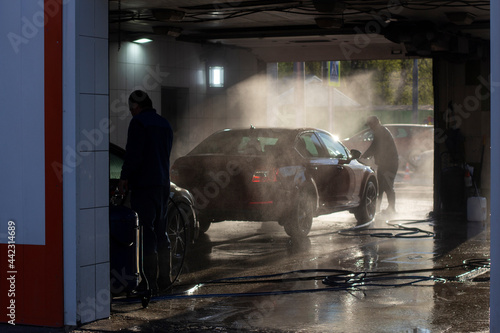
pixel 476 209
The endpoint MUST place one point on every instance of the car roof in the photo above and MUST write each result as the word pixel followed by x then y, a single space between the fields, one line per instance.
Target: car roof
pixel 409 125
pixel 264 129
pixel 284 131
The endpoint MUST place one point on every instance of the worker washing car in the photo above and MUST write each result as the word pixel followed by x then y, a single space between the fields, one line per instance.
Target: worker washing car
pixel 383 149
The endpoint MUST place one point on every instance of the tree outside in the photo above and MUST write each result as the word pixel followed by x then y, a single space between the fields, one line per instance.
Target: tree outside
pixel 381 87
pixel 383 82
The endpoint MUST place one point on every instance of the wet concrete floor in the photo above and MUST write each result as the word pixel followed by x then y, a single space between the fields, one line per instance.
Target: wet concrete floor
pixel 252 277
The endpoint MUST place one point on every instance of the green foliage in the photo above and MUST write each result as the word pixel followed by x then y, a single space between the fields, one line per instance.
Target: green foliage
pixel 377 82
pixel 391 81
pixel 285 69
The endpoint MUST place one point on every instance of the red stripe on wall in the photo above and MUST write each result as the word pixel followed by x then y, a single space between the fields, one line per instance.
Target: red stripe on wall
pixel 31 297
pixel 53 265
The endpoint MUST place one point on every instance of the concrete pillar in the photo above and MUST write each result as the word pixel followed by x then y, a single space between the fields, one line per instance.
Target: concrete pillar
pixel 85 168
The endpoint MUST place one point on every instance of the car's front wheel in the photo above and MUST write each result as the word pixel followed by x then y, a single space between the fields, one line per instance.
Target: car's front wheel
pixel 368 205
pixel 299 221
pixel 177 229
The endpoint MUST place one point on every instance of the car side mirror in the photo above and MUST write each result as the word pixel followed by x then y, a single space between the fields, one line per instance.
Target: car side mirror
pixel 355 154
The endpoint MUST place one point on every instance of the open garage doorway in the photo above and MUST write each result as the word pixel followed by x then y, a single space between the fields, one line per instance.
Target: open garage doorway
pixel 338 96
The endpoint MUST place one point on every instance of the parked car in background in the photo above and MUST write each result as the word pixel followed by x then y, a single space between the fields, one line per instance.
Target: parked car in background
pixel 275 174
pixel 183 227
pixel 411 141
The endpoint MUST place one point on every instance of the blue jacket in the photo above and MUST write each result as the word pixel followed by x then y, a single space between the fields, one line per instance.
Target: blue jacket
pixel 147 157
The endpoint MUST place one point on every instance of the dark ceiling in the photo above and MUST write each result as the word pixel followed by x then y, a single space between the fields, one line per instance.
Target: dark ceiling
pixel 314 30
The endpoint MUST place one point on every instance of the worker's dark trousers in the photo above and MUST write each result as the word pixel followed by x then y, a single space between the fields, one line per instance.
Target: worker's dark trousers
pixel 385 177
pixel 151 206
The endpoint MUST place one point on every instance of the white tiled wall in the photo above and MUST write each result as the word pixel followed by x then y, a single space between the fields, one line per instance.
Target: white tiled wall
pixel 92 160
pixel 131 66
pixel 170 63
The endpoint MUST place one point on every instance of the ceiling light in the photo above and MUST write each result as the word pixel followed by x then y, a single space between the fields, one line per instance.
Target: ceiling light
pixel 142 40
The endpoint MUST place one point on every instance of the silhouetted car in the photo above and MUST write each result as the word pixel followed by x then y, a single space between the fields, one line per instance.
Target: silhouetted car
pixel 411 141
pixel 275 174
pixel 183 226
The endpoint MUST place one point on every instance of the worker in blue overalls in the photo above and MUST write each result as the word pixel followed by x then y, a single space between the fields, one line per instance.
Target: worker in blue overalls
pixel 145 172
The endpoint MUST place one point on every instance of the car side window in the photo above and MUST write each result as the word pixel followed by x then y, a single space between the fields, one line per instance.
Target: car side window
pixel 307 145
pixel 335 148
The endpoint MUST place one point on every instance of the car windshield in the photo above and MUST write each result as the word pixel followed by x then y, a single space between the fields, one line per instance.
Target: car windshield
pixel 235 142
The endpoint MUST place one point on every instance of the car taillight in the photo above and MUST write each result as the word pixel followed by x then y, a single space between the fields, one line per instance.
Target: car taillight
pixel 265 176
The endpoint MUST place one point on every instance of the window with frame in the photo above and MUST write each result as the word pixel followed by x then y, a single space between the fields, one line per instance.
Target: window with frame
pixel 335 148
pixel 308 145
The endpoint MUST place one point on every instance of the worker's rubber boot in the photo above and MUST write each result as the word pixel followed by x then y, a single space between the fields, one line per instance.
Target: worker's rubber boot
pixel 150 267
pixel 164 265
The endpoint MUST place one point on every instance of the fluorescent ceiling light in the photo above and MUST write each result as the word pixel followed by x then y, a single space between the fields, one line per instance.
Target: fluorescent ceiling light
pixel 143 40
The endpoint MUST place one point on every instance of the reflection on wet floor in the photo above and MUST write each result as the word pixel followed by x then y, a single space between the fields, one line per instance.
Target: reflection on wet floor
pixel 411 272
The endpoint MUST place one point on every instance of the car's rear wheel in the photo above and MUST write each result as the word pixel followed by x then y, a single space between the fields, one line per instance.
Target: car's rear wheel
pixel 368 205
pixel 298 223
